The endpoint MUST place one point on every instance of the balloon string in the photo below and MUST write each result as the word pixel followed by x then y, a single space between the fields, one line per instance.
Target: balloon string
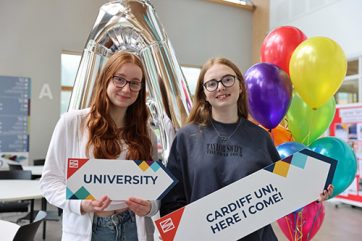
pixel 307 138
pixel 314 220
pixel 288 225
pixel 295 216
pixel 286 126
pixel 271 134
pixel 297 228
pixel 300 226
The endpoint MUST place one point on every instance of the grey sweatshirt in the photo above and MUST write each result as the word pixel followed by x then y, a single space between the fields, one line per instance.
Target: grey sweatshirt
pixel 204 163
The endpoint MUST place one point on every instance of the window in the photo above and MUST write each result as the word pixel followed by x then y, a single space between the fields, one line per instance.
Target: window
pixel 191 75
pixel 350 91
pixel 69 67
pixel 246 4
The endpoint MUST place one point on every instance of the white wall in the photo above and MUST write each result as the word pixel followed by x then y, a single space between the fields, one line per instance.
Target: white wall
pixel 34 33
pixel 337 19
pixel 199 29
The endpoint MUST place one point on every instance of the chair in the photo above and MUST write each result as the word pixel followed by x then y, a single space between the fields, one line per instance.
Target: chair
pixel 51 215
pixel 16 206
pixel 38 162
pixel 15 174
pixel 15 166
pixel 27 232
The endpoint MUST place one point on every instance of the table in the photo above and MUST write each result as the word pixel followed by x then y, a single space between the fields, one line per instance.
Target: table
pixel 35 170
pixel 15 190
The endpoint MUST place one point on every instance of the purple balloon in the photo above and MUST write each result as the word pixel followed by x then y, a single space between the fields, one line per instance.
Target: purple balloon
pixel 269 93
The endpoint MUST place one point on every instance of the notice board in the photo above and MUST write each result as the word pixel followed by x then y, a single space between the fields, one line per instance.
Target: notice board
pixel 15 93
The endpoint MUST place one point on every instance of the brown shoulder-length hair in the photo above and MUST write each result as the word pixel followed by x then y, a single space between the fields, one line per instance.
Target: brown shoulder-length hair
pixel 104 136
pixel 201 109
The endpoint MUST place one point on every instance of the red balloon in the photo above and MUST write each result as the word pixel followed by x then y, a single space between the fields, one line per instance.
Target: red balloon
pixel 303 224
pixel 279 44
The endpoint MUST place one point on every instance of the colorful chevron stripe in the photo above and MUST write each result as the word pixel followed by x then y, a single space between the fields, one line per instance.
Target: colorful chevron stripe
pixel 144 165
pixel 281 167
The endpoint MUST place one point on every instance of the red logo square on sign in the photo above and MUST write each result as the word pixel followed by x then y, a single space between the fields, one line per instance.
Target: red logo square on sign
pixel 73 163
pixel 167 225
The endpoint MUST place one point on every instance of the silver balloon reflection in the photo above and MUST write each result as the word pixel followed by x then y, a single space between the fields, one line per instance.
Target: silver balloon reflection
pixel 133 26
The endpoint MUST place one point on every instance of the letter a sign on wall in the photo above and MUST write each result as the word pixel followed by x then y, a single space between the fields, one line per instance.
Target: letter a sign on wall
pixel 119 179
pixel 252 202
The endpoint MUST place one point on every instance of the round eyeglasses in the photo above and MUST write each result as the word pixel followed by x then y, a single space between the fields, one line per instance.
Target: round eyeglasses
pixel 121 82
pixel 227 81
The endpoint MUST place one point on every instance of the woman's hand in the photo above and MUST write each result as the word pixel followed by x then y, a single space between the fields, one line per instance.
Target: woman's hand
pixel 88 206
pixel 139 206
pixel 326 193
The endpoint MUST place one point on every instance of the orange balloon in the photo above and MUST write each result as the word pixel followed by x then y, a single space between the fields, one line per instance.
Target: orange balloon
pixel 281 135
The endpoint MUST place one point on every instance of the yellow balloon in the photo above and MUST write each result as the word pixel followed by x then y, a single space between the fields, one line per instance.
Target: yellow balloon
pixel 317 69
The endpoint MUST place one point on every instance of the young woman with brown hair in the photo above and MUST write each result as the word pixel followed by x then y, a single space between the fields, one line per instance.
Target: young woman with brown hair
pixel 114 127
pixel 219 145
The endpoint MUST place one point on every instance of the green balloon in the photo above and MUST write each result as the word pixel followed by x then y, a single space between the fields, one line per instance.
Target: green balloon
pixel 307 124
pixel 346 161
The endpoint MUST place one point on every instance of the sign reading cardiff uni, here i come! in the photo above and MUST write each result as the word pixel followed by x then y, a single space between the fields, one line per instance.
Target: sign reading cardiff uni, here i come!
pixel 120 179
pixel 251 202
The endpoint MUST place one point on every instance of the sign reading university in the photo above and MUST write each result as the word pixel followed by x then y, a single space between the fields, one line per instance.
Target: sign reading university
pixel 252 202
pixel 119 179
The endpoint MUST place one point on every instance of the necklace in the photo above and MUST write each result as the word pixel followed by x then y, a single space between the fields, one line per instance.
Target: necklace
pixel 222 138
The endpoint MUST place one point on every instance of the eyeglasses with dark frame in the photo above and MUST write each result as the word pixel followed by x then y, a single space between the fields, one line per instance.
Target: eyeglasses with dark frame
pixel 227 81
pixel 121 82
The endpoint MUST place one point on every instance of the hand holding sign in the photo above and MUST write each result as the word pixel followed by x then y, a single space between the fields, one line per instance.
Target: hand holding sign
pixel 139 206
pixel 89 206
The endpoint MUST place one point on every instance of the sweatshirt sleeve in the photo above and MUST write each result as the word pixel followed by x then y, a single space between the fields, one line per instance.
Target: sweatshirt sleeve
pixel 176 198
pixel 53 180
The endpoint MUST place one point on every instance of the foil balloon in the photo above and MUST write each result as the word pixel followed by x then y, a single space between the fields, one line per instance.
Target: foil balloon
pixel 269 93
pixel 133 26
pixel 303 224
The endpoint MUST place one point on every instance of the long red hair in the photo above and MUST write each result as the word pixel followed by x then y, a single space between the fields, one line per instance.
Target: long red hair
pixel 105 139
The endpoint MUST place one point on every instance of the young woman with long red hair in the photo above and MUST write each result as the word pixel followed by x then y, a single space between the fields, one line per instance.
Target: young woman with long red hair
pixel 114 127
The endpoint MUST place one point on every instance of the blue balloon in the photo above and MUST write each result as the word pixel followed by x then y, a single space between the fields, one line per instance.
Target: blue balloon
pixel 346 161
pixel 269 93
pixel 289 148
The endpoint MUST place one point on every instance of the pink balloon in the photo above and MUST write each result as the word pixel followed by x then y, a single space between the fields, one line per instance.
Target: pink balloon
pixel 304 223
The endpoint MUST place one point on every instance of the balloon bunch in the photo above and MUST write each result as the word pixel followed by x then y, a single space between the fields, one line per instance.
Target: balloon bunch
pixel 290 93
pixel 304 223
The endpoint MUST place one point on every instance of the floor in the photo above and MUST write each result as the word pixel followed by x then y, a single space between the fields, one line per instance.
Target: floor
pixel 341 223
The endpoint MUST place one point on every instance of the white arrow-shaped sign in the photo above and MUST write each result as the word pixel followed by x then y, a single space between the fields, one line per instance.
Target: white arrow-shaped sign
pixel 252 202
pixel 119 179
